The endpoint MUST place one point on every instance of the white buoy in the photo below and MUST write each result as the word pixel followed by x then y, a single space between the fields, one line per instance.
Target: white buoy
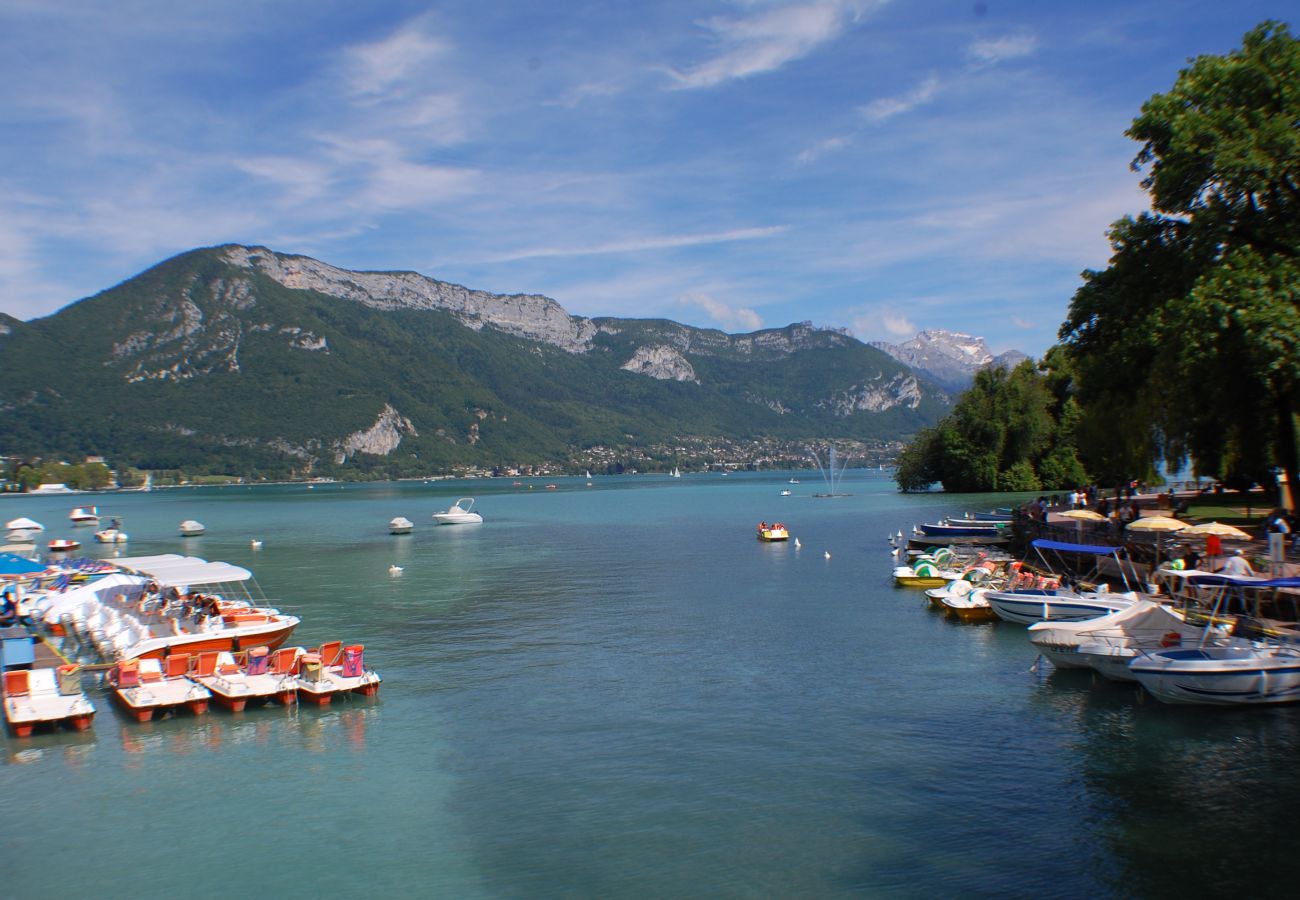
pixel 828 554
pixel 394 570
pixel 255 544
pixel 797 545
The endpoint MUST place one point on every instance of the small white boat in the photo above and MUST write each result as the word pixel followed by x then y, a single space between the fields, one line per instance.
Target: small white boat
pixel 1223 676
pixel 676 473
pixel 191 528
pixel 459 513
pixel 84 515
pixel 1107 643
pixel 111 535
pixel 23 530
pixel 63 545
pixel 785 493
pixel 400 525
pixel 1026 607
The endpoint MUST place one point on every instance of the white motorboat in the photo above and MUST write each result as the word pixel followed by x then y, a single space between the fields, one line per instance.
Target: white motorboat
pixel 84 515
pixel 1026 607
pixel 111 535
pixel 1223 676
pixel 400 525
pixel 1109 642
pixel 191 528
pixel 22 530
pixel 459 513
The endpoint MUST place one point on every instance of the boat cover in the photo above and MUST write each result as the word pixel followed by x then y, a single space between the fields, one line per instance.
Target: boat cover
pixel 201 573
pixel 1097 549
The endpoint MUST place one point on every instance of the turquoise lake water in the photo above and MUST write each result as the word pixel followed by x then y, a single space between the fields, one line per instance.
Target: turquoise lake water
pixel 616 691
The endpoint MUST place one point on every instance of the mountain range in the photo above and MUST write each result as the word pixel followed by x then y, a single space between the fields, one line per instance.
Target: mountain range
pixel 237 359
pixel 949 358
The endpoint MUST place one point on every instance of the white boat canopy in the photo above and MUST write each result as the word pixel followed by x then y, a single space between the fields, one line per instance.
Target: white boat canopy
pixel 202 573
pixel 24 524
pixel 143 563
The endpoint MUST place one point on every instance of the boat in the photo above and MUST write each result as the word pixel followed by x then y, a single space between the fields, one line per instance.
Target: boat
pixel 1108 643
pixel 1221 676
pixel 63 545
pixel 676 472
pixel 400 525
pixel 111 535
pixel 334 669
pixel 191 528
pixel 146 688
pixel 924 574
pixel 459 513
pixel 785 493
pixel 1026 606
pixel 22 530
pixel 84 515
pixel 45 696
pixel 1255 665
pixel 137 612
pixel 963 529
pixel 794 481
pixel 588 478
pixel 262 676
pixel 772 533
pixel 972 606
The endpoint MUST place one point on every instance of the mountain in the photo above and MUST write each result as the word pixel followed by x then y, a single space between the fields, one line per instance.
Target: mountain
pixel 242 360
pixel 949 358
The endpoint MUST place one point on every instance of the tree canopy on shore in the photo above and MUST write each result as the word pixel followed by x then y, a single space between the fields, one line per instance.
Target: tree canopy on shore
pixel 1188 344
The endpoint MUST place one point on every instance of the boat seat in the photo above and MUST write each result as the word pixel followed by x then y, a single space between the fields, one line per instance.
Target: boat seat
pixel 285 661
pixel 330 653
pixel 16 683
pixel 206 666
pixel 151 670
pixel 177 665
pixel 42 681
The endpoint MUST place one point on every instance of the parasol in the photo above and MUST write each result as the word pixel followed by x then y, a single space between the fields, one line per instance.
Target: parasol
pixel 1080 516
pixel 1159 525
pixel 1218 529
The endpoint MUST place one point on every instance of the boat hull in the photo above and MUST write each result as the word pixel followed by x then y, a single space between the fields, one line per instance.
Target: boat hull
pixel 158 648
pixel 1030 607
pixel 1221 676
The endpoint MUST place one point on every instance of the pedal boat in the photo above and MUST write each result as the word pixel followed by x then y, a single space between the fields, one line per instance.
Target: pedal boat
pixel 37 697
pixel 146 688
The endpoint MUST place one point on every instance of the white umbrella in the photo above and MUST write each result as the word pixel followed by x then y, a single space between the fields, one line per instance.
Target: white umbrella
pixel 1159 525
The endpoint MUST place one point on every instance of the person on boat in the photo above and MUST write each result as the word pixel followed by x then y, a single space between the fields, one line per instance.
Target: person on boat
pixel 1237 564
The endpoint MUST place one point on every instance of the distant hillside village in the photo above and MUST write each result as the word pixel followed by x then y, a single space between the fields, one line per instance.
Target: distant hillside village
pixel 18 474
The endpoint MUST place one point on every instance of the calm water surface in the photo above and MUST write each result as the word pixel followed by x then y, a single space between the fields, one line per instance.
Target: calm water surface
pixel 616 691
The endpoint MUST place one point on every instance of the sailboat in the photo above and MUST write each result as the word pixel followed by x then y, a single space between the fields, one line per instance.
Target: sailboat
pixel 589 478
pixel 676 472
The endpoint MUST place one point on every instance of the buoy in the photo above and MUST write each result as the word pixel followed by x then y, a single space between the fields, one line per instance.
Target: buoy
pixel 797 544
pixel 828 554
pixel 255 544
pixel 394 570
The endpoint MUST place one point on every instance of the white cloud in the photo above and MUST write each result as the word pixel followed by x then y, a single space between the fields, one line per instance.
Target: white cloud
pixel 635 245
pixel 822 147
pixel 883 323
pixel 990 51
pixel 768 38
pixel 728 318
pixel 384 66
pixel 1022 323
pixel 888 107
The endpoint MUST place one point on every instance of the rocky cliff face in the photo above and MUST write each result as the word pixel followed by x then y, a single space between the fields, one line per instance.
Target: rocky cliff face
pixel 950 358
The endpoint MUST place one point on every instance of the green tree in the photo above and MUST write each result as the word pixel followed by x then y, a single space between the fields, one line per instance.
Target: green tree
pixel 1188 340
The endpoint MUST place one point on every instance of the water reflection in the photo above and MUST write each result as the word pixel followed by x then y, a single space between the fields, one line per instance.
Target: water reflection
pixel 1186 800
pixel 316 729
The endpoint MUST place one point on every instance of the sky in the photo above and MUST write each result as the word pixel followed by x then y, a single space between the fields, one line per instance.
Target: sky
pixel 882 166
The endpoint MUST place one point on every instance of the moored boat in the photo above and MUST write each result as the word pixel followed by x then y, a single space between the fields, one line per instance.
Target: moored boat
pixel 1025 606
pixel 1222 676
pixel 1107 643
pixel 84 515
pixel 45 696
pixel 262 677
pixel 147 688
pixel 192 528
pixel 400 525
pixel 63 545
pixel 335 669
pixel 459 513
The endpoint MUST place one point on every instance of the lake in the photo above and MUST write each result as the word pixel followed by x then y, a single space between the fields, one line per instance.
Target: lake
pixel 616 691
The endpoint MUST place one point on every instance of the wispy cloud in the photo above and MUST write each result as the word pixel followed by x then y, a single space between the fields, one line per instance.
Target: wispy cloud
pixel 635 245
pixel 376 69
pixel 768 39
pixel 727 317
pixel 883 322
pixel 888 107
pixel 990 51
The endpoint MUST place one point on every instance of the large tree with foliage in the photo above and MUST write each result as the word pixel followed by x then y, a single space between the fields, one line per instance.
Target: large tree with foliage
pixel 1012 431
pixel 1189 342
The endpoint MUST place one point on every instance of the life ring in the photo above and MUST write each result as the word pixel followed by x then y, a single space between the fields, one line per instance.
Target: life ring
pixel 1171 639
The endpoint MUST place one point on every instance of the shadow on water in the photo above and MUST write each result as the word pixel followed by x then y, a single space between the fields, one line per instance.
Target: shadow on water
pixel 1186 801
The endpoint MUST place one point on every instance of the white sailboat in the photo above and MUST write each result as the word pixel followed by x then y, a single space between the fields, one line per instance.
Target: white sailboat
pixel 676 472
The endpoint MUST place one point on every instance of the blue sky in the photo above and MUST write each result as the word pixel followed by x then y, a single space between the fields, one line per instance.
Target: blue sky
pixel 878 166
